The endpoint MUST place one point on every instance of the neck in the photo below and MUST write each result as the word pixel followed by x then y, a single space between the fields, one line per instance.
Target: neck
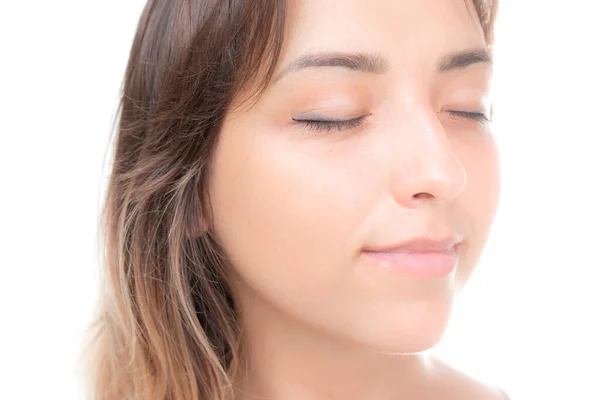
pixel 285 359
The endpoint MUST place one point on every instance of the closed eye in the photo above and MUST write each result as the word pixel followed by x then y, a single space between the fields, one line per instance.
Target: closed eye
pixel 328 125
pixel 473 116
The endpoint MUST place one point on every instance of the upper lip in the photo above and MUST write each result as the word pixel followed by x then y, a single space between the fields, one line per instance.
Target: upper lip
pixel 420 244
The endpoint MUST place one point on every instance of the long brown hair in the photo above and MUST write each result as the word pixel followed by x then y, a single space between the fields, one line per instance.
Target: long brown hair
pixel 166 326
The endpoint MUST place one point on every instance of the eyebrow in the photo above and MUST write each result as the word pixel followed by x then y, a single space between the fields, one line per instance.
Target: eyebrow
pixel 463 59
pixel 364 62
pixel 376 64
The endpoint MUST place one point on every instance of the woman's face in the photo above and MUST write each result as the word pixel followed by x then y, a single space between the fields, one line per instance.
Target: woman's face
pixel 296 203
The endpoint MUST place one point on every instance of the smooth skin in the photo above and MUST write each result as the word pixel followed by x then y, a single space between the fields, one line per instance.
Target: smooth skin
pixel 295 203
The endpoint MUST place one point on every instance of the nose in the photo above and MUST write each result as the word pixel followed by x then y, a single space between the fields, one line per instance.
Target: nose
pixel 426 167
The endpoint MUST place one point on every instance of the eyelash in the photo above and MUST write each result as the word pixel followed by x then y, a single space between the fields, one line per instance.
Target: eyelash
pixel 342 125
pixel 330 125
pixel 473 116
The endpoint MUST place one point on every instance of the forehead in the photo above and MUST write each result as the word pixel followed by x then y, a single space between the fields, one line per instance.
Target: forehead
pixel 401 30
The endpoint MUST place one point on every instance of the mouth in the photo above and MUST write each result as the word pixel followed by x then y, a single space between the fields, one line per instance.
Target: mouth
pixel 419 258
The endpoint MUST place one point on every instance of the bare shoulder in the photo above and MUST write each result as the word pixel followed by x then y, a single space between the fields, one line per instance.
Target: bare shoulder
pixel 458 385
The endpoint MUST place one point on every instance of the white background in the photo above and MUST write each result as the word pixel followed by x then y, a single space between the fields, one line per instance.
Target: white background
pixel 529 319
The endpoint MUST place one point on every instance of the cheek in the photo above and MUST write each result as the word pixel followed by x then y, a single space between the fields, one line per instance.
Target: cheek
pixel 484 193
pixel 480 196
pixel 286 214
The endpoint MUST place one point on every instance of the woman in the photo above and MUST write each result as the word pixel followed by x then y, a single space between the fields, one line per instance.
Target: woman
pixel 298 193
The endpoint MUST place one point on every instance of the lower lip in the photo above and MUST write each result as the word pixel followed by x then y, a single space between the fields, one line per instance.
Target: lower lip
pixel 417 264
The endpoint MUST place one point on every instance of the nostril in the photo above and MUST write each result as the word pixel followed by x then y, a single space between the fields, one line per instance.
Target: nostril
pixel 422 195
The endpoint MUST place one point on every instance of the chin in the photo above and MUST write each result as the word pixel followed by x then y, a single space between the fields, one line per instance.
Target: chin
pixel 414 328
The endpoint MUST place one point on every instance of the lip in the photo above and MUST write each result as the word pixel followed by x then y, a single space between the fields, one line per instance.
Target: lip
pixel 421 257
pixel 421 244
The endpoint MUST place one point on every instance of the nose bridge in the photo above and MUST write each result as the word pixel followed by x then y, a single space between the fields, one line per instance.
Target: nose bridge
pixel 425 163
